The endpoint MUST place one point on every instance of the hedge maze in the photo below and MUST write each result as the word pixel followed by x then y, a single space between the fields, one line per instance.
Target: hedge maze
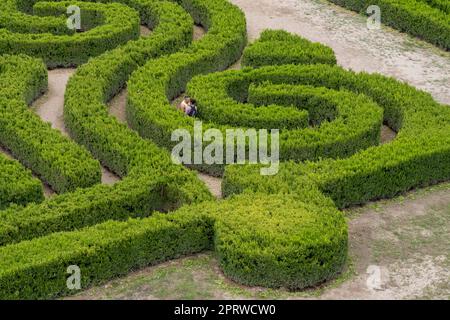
pixel 285 230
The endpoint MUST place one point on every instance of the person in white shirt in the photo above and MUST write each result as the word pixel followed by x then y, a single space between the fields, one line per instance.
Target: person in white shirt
pixel 185 105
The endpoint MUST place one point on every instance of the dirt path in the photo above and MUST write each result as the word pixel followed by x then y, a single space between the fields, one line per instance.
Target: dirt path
pixel 385 51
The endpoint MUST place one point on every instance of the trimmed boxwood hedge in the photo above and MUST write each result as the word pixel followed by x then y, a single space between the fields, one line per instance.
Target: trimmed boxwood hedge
pixel 167 77
pixel 279 47
pixel 119 24
pixel 17 185
pixel 345 122
pixel 426 19
pixel 150 89
pixel 61 163
pixel 346 181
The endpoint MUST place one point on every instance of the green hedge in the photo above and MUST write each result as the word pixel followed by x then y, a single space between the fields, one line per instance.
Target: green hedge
pixel 426 19
pixel 38 269
pixel 152 116
pixel 61 163
pixel 278 47
pixel 357 119
pixel 119 24
pixel 312 248
pixel 17 185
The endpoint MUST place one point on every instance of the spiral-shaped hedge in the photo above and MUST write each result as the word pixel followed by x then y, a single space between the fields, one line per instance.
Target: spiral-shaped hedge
pixel 279 231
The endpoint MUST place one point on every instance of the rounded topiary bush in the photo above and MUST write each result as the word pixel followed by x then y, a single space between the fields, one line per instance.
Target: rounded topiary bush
pixel 280 241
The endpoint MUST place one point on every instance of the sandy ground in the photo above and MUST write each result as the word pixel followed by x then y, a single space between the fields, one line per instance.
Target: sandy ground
pixel 214 184
pixel 405 240
pixel 145 32
pixel 385 51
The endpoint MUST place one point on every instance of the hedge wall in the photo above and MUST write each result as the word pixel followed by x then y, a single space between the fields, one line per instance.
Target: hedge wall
pixel 21 34
pixel 279 47
pixel 426 19
pixel 419 156
pixel 17 185
pixel 362 171
pixel 139 161
pixel 220 98
pixel 344 122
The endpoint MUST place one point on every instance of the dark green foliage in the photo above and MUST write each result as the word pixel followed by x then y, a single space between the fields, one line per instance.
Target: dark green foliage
pixel 38 268
pixel 345 122
pixel 277 231
pixel 159 81
pixel 279 241
pixel 419 156
pixel 140 162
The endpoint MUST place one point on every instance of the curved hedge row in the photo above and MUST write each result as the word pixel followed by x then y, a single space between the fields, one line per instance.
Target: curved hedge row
pixel 113 24
pixel 357 119
pixel 149 111
pixel 346 181
pixel 17 185
pixel 167 77
pixel 442 5
pixel 426 19
pixel 61 163
pixel 279 47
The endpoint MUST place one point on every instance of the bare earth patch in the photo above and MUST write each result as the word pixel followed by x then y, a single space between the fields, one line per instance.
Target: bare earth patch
pixel 387 134
pixel 117 106
pixel 214 184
